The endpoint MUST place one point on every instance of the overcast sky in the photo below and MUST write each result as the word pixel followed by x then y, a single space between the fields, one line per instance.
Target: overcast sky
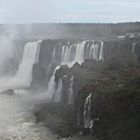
pixel 29 11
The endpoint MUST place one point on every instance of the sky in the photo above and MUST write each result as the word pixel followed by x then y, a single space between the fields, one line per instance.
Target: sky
pixel 71 11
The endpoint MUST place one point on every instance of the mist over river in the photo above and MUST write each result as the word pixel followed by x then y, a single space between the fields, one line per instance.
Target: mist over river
pixel 70 89
pixel 17 121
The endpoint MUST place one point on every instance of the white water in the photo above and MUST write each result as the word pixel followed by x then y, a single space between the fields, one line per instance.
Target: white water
pixel 76 53
pixel 80 52
pixel 58 92
pixel 133 47
pixel 70 91
pixel 70 55
pixel 101 54
pixel 30 57
pixel 52 85
pixel 66 59
pixel 87 111
pixel 16 119
pixel 67 56
pixel 94 51
pixel 53 54
pixel 23 76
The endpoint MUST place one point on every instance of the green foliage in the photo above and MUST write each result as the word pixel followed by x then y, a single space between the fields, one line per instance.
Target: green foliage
pixel 120 113
pixel 59 118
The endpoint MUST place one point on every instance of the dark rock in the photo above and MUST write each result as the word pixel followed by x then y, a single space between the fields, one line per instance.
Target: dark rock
pixel 8 92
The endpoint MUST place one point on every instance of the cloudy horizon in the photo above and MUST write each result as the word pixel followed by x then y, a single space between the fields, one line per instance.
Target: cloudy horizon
pixel 69 11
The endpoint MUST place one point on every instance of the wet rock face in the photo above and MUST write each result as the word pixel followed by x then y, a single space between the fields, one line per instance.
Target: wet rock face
pixel 8 92
pixel 113 105
pixel 65 74
pixel 39 75
pixel 137 49
pixel 112 49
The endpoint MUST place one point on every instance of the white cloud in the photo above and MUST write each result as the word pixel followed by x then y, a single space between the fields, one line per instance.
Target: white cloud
pixel 27 11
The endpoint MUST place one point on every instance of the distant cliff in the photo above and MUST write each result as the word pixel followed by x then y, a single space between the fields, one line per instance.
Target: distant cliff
pixel 69 30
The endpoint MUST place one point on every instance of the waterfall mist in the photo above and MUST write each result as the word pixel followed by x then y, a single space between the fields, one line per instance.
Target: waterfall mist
pixel 16 102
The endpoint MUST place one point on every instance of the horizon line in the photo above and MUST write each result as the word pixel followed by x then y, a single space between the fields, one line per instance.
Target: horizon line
pixel 25 23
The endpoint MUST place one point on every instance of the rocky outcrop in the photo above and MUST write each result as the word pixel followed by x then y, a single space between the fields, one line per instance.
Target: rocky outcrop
pixel 114 97
pixel 106 78
pixel 51 53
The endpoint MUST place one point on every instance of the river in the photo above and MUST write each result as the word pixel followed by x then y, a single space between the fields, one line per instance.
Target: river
pixel 17 121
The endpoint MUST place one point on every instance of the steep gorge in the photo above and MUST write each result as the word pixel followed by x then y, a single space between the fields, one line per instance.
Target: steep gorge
pixel 101 67
pixel 58 77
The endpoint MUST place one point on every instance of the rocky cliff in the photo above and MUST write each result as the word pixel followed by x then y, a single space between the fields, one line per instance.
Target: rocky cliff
pixel 63 52
pixel 110 73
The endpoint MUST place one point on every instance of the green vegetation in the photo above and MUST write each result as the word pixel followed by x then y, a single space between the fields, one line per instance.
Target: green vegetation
pixel 116 84
pixel 59 118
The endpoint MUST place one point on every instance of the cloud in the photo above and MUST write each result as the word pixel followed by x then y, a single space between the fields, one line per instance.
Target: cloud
pixel 29 11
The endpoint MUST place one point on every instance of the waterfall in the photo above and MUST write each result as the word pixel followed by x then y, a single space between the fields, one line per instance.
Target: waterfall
pixel 80 52
pixel 70 54
pixel 66 59
pixel 94 51
pixel 91 51
pixel 49 68
pixel 133 47
pixel 66 55
pixel 73 53
pixel 52 85
pixel 53 54
pixel 101 54
pixel 70 91
pixel 30 57
pixel 58 92
pixel 87 111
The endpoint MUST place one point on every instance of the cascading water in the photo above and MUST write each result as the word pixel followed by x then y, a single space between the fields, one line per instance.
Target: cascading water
pixel 65 55
pixel 51 85
pixel 80 52
pixel 53 55
pixel 23 76
pixel 70 91
pixel 101 54
pixel 58 92
pixel 133 47
pixel 66 60
pixel 71 54
pixel 30 57
pixel 76 53
pixel 87 111
pixel 94 51
pixel 17 121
